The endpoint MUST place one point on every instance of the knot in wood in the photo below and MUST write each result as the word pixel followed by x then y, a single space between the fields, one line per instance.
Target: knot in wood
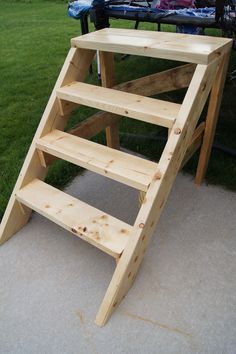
pixel 157 175
pixel 177 131
pixel 204 86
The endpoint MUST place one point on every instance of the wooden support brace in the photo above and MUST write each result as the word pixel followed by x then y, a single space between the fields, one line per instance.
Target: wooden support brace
pixel 212 117
pixel 165 81
pixel 195 143
pixel 107 78
pixel 92 125
pixel 65 107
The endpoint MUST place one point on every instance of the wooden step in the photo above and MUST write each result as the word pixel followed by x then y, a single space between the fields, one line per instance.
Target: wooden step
pixel 92 225
pixel 174 46
pixel 122 167
pixel 125 104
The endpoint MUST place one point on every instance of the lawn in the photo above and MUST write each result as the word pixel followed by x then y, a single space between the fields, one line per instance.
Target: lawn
pixel 34 40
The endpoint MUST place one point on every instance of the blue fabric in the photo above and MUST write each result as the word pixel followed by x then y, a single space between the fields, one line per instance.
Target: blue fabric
pixel 206 12
pixel 203 12
pixel 78 8
pixel 162 13
pixel 190 29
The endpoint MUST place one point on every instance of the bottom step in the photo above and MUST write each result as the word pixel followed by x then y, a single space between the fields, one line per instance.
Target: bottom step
pixel 92 225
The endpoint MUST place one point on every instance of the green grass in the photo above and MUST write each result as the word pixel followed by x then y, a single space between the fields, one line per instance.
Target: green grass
pixel 34 40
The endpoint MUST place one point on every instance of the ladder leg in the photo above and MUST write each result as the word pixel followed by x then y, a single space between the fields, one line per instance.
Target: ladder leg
pixel 108 78
pixel 112 135
pixel 16 216
pixel 141 197
pixel 158 191
pixel 211 119
pixel 123 279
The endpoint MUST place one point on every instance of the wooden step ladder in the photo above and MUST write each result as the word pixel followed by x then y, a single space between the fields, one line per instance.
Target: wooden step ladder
pixel 208 59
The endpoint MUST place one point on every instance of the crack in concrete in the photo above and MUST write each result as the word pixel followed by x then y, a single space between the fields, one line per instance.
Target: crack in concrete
pixel 159 324
pixel 88 335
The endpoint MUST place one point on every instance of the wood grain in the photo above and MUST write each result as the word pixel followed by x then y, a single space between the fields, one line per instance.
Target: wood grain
pixel 92 225
pixel 125 104
pixel 173 46
pixel 120 166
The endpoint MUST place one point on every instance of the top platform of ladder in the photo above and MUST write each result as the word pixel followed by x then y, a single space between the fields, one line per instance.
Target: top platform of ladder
pixel 165 45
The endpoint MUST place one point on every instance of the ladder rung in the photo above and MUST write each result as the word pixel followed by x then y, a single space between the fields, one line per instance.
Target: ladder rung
pixel 122 167
pixel 92 225
pixel 125 104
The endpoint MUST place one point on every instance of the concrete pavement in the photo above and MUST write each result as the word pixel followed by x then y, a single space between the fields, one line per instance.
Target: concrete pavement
pixel 183 300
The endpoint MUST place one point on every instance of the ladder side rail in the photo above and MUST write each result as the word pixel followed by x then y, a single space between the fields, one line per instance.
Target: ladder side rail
pixel 16 216
pixel 159 189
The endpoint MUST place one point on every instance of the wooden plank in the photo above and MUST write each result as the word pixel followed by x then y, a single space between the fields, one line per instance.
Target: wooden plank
pixel 108 80
pixel 195 144
pixel 158 191
pixel 174 46
pixel 146 86
pixel 164 81
pixel 75 68
pixel 122 167
pixel 125 104
pixel 92 225
pixel 92 125
pixel 65 107
pixel 211 119
pixel 86 129
pixel 107 69
pixel 193 147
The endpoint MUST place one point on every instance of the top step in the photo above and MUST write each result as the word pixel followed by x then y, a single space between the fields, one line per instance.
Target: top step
pixel 174 46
